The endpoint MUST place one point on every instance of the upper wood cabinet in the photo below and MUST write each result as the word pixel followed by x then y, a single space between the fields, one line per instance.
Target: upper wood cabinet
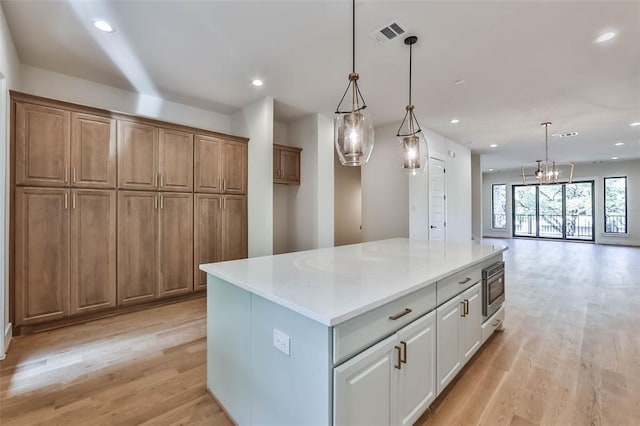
pixel 93 250
pixel 93 151
pixel 286 165
pixel 175 244
pixel 176 161
pixel 137 156
pixel 42 145
pixel 220 165
pixel 42 254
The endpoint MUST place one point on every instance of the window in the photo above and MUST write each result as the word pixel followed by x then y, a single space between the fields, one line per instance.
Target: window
pixel 499 206
pixel 615 205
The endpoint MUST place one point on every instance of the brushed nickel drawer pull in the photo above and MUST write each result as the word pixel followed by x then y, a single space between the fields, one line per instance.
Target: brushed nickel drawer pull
pixel 399 364
pixel 400 315
pixel 466 280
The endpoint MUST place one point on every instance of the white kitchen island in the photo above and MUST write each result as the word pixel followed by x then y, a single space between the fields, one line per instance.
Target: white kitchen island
pixel 366 334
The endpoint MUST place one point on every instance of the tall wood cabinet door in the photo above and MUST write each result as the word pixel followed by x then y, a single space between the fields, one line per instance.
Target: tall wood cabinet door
pixel 137 246
pixel 290 166
pixel 208 164
pixel 93 151
pixel 42 145
pixel 207 235
pixel 234 227
pixel 42 254
pixel 234 168
pixel 470 326
pixel 365 387
pixel 448 342
pixel 93 250
pixel 176 161
pixel 175 242
pixel 418 374
pixel 137 156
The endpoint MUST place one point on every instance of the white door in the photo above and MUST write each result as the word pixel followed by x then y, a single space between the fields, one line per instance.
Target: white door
pixel 470 327
pixel 418 373
pixel 448 341
pixel 365 387
pixel 437 200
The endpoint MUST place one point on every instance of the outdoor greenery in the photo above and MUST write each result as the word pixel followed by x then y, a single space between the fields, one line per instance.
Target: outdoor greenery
pixel 499 206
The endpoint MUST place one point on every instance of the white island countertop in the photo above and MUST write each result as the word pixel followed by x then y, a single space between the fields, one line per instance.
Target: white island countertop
pixel 336 284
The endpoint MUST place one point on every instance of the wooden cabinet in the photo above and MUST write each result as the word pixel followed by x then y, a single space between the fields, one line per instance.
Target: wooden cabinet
pixel 220 165
pixel 41 254
pixel 286 165
pixel 137 246
pixel 93 250
pixel 220 231
pixel 137 156
pixel 175 239
pixel 392 382
pixel 93 151
pixel 42 145
pixel 175 161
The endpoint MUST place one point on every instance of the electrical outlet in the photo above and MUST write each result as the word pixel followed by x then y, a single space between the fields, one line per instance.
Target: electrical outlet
pixel 281 341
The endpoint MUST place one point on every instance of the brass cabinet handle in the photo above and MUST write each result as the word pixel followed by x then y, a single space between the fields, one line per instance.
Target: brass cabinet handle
pixel 463 309
pixel 399 364
pixel 74 174
pixel 224 203
pixel 162 180
pixel 466 280
pixel 466 307
pixel 162 201
pixel 224 185
pixel 155 201
pixel 220 203
pixel 400 315
pixel 73 201
pixel 404 357
pixel 66 201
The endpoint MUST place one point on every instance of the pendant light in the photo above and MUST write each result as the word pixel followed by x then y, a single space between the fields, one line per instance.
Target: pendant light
pixel 353 129
pixel 548 171
pixel 413 146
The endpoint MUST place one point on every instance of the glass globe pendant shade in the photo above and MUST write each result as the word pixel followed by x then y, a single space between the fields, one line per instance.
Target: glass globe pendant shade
pixel 354 137
pixel 414 153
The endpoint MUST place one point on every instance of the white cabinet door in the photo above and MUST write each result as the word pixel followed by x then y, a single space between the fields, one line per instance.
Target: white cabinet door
pixel 470 326
pixel 418 374
pixel 448 341
pixel 366 386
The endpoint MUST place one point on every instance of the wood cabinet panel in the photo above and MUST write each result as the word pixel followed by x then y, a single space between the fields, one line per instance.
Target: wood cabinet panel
pixel 234 168
pixel 208 171
pixel 175 242
pixel 234 227
pixel 137 156
pixel 176 161
pixel 207 234
pixel 41 254
pixel 137 246
pixel 42 145
pixel 93 151
pixel 93 250
pixel 276 163
pixel 286 165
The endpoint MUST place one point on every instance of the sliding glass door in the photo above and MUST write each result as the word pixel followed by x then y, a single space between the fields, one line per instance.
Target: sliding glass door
pixel 562 211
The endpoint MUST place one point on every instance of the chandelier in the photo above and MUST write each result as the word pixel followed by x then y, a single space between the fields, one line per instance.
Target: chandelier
pixel 353 129
pixel 413 146
pixel 547 171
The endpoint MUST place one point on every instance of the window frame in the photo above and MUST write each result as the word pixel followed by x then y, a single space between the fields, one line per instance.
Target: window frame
pixel 626 205
pixel 493 216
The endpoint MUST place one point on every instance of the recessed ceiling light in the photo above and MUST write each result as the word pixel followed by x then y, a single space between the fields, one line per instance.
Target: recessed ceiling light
pixel 257 82
pixel 609 35
pixel 103 26
pixel 455 121
pixel 637 123
pixel 614 158
pixel 490 170
pixel 493 145
pixel 458 82
pixel 619 143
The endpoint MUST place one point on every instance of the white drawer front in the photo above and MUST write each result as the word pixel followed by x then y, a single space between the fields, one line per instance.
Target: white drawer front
pixel 456 284
pixel 492 324
pixel 359 333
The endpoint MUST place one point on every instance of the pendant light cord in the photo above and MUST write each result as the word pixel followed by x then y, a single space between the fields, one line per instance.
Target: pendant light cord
pixel 353 36
pixel 410 69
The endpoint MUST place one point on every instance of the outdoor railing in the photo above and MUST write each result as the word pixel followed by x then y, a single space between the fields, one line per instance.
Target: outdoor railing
pixel 615 224
pixel 578 226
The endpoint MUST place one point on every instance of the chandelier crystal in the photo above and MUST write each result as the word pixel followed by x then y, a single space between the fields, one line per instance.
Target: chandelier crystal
pixel 547 171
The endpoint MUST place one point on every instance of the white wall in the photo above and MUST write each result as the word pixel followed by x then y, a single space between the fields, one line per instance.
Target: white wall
pixel 280 198
pixel 476 197
pixel 596 172
pixel 347 203
pixel 311 204
pixel 9 80
pixel 49 84
pixel 255 121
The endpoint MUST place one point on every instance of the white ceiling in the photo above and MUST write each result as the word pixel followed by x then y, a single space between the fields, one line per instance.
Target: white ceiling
pixel 523 62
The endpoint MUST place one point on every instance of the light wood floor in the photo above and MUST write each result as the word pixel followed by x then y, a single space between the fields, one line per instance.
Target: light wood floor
pixel 570 355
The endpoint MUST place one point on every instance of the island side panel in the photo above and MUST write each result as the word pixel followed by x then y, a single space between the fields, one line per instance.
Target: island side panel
pixel 229 347
pixel 295 389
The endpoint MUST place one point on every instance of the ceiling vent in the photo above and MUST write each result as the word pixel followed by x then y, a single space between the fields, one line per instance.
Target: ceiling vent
pixel 389 32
